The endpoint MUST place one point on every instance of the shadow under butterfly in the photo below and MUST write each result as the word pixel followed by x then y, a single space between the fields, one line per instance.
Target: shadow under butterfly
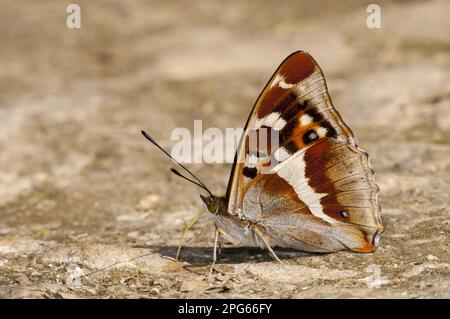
pixel 312 191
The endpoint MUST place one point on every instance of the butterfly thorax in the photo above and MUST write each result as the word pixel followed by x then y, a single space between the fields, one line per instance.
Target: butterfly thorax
pixel 231 227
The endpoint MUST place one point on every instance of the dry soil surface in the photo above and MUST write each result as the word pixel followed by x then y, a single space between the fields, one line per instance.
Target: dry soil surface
pixel 89 209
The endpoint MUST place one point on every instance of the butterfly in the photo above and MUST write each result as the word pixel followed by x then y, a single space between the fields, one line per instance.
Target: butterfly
pixel 311 191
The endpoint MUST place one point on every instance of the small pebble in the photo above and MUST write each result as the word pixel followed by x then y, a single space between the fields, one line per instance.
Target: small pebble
pixel 290 287
pixel 147 202
pixel 154 291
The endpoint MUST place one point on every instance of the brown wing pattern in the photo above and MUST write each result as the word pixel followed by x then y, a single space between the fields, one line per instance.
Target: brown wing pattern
pixel 315 175
pixel 326 190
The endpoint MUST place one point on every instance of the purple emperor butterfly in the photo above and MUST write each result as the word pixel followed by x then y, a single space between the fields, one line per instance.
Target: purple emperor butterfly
pixel 314 191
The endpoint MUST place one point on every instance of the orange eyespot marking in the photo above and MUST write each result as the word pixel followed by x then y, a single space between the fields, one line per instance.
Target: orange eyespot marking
pixel 367 248
pixel 305 135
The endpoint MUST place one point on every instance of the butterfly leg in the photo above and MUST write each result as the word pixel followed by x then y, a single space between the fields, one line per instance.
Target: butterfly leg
pixel 260 235
pixel 216 247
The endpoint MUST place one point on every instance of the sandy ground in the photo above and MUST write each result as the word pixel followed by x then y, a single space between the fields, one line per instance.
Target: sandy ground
pixel 81 192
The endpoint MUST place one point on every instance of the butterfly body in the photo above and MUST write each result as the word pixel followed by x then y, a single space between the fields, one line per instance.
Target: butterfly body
pixel 313 190
pixel 232 229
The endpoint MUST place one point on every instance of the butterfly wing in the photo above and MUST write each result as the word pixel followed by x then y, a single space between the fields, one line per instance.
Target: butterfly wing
pixel 314 187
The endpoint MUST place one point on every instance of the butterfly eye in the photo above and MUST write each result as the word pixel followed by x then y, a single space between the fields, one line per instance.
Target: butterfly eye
pixel 213 207
pixel 344 214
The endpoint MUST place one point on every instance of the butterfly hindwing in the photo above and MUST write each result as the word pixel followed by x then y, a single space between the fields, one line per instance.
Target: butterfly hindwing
pixel 325 190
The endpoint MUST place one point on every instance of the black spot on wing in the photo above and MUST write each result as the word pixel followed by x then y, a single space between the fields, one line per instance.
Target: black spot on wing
pixel 250 172
pixel 303 105
pixel 331 132
pixel 310 136
pixel 291 147
pixel 287 131
pixel 293 109
pixel 315 115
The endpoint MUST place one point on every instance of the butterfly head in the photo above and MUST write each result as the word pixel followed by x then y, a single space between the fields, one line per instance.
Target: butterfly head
pixel 212 204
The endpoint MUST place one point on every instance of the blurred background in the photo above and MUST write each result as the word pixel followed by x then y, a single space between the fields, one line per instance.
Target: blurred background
pixel 81 190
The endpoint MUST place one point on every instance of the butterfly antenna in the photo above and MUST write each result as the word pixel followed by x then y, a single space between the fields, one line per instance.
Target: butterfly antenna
pixel 173 170
pixel 197 181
